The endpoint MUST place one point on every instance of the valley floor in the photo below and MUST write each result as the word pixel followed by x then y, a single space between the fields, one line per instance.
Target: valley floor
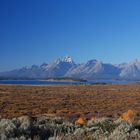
pixel 69 101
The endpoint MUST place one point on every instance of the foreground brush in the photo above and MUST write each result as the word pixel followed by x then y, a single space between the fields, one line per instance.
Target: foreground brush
pixel 50 127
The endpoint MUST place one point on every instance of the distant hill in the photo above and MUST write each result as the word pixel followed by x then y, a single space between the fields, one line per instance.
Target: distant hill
pixel 66 67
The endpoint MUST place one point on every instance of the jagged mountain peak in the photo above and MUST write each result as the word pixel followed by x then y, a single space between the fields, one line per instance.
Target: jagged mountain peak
pixel 68 59
pixel 44 65
pixel 57 61
pixel 93 62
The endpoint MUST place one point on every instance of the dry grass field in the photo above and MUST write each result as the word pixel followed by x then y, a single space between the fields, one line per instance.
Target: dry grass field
pixel 70 101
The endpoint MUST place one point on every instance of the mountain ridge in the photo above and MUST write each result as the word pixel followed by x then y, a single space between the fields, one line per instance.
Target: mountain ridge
pixel 66 67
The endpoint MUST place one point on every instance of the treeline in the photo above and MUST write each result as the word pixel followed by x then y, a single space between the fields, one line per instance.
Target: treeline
pixel 48 78
pixel 66 78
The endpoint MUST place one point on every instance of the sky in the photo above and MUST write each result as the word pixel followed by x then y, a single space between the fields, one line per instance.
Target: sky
pixel 37 31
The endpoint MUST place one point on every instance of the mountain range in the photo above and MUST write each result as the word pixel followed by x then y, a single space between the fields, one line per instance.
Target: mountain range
pixel 66 67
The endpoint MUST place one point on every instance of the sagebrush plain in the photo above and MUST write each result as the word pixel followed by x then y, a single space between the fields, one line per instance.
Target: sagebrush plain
pixel 69 101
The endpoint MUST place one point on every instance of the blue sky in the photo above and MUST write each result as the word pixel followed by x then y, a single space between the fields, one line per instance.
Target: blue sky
pixel 37 31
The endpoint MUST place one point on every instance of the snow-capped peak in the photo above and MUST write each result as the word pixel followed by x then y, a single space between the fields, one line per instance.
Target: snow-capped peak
pixel 68 59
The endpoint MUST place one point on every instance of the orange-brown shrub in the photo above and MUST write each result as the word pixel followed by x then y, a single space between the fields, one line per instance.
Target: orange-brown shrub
pixel 81 121
pixel 129 115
